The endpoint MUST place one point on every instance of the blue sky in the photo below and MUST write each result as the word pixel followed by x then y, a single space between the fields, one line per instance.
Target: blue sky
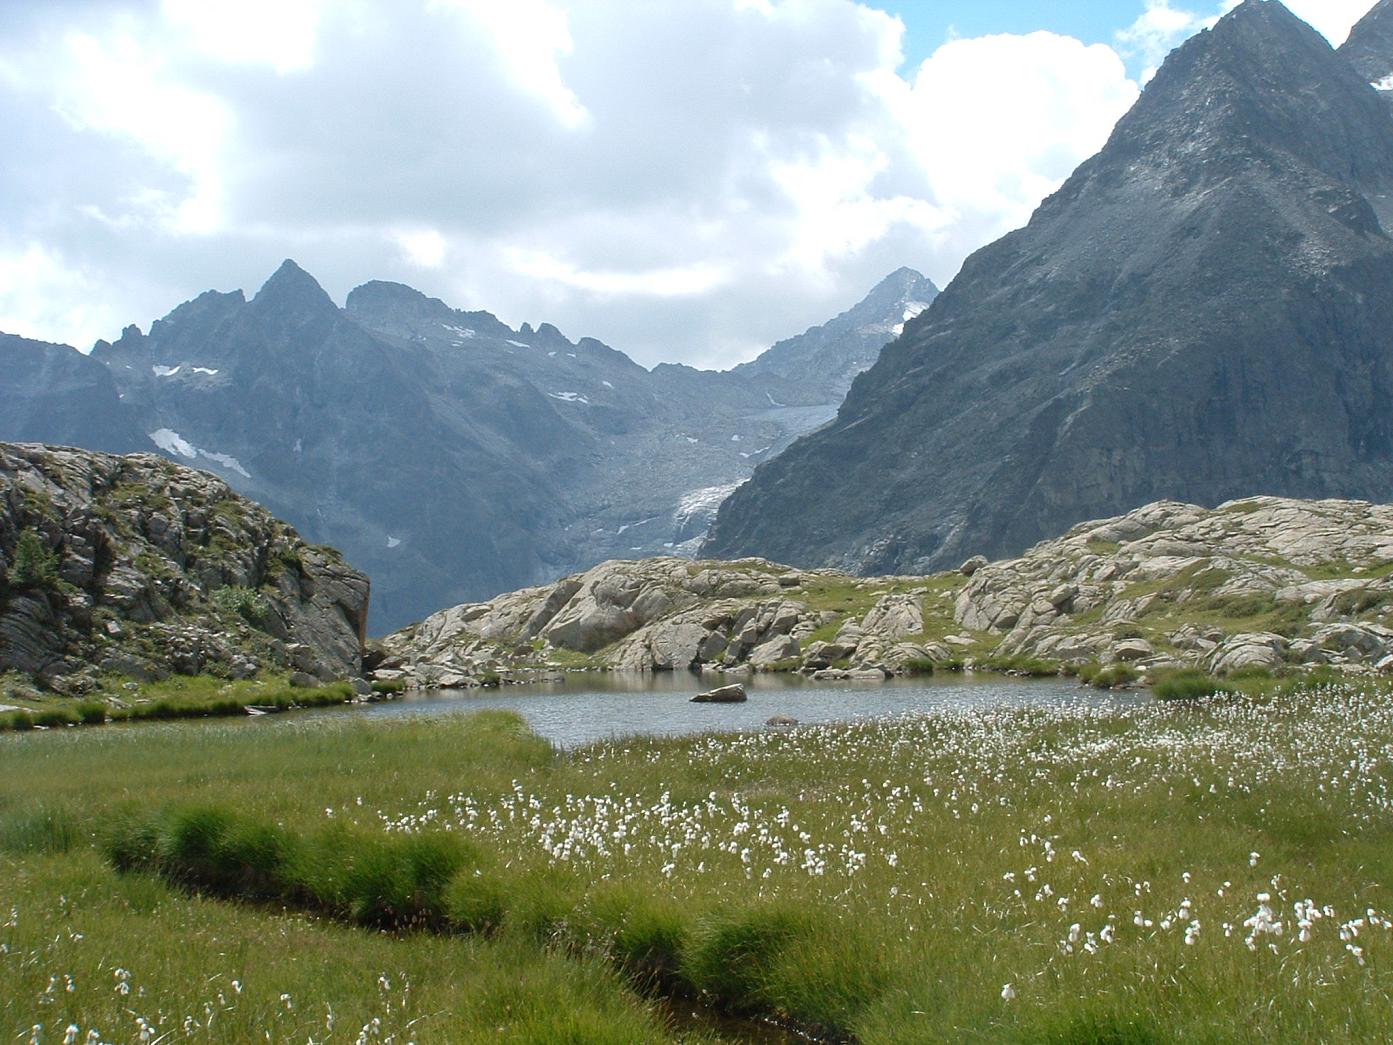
pixel 930 23
pixel 687 180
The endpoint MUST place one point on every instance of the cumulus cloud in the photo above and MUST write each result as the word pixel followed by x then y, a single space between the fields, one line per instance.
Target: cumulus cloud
pixel 685 179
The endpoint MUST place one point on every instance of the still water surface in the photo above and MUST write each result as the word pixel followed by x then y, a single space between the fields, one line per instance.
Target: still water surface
pixel 590 707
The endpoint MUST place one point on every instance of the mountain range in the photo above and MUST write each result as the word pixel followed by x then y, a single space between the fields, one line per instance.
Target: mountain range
pixel 1204 311
pixel 447 454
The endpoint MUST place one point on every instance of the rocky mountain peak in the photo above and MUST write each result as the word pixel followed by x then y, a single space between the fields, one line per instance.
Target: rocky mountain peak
pixel 1370 47
pixel 1164 327
pixel 402 311
pixel 293 291
pixel 832 354
pixel 1260 84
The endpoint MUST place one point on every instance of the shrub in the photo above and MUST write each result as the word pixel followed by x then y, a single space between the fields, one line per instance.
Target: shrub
pixel 246 603
pixel 918 666
pixel 389 686
pixel 35 565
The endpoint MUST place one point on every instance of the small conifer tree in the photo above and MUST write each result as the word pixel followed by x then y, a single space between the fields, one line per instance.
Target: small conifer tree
pixel 35 565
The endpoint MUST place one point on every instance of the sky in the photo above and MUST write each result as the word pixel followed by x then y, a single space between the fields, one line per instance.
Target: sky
pixel 686 180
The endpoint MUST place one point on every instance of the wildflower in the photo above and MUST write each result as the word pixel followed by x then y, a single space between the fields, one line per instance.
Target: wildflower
pixel 1008 993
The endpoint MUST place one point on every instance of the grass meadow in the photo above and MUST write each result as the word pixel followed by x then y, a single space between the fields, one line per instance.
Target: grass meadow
pixel 1211 871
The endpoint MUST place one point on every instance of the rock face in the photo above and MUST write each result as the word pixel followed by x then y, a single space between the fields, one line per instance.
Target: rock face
pixel 1203 311
pixel 51 394
pixel 1255 583
pixel 136 566
pixel 1370 48
pixel 1264 583
pixel 393 426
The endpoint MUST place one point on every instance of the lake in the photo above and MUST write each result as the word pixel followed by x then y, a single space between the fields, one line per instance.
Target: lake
pixel 597 706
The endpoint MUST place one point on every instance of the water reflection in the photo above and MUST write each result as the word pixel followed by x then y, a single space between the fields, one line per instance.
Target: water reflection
pixel 590 707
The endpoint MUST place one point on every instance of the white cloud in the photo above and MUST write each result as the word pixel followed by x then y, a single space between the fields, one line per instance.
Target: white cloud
pixel 424 248
pixel 998 122
pixel 681 281
pixel 279 33
pixel 40 292
pixel 1161 27
pixel 686 179
pixel 530 36
pixel 1333 18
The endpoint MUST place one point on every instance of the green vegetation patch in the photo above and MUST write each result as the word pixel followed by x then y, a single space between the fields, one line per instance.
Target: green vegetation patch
pixel 1086 872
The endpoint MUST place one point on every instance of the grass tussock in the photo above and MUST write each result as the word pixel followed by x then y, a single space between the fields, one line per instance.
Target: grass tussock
pixel 1187 684
pixel 1072 873
pixel 1112 676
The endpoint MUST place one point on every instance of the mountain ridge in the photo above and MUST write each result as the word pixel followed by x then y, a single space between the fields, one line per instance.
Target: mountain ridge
pixel 1057 377
pixel 446 453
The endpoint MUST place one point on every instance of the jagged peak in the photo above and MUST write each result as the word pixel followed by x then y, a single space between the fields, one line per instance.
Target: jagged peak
pixel 291 286
pixel 1370 45
pixel 1260 82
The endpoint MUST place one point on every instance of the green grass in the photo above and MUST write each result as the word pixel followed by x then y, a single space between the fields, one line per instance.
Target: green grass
pixel 178 697
pixel 1020 664
pixel 885 880
pixel 1113 676
pixel 1187 684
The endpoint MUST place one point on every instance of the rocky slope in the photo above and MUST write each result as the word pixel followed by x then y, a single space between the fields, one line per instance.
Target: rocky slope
pixel 1203 311
pixel 1262 583
pixel 139 567
pixel 447 454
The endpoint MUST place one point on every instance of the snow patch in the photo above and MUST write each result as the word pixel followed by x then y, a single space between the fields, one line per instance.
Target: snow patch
pixel 607 384
pixel 228 462
pixel 171 442
pixel 569 397
pixel 913 308
pixel 1386 84
pixel 203 370
pixel 735 439
pixel 629 526
pixel 459 331
pixel 772 400
pixel 520 344
pixel 166 371
pixel 393 542
pixel 704 501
